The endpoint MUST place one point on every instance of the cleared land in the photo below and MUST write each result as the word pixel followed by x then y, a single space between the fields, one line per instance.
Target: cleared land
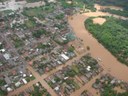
pixel 99 20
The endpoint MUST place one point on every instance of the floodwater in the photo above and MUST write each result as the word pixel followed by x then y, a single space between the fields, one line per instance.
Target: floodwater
pixel 108 61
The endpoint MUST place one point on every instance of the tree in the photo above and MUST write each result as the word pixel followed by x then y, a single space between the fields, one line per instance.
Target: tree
pixel 88 48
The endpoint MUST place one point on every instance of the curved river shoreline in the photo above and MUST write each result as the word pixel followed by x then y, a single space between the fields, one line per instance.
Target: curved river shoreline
pixel 109 62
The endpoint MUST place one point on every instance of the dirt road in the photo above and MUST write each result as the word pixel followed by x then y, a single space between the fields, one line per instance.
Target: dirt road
pixel 40 79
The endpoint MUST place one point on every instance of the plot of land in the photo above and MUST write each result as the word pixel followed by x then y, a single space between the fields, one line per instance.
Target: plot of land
pixel 99 20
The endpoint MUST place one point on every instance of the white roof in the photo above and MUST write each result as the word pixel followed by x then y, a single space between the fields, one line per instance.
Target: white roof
pixel 2 50
pixel 56 88
pixel 52 1
pixel 17 84
pixel 59 62
pixel 21 72
pixel 65 78
pixel 37 84
pixel 24 81
pixel 9 89
pixel 65 57
pixel 64 38
pixel 88 68
pixel 53 81
pixel 30 75
pixel 24 75
pixel 6 56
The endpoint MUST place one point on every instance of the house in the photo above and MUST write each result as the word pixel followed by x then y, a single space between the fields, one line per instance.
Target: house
pixel 17 84
pixel 6 56
pixel 24 81
pixel 7 80
pixel 9 89
pixel 65 57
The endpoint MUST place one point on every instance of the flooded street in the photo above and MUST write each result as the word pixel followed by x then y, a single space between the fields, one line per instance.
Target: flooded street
pixel 88 87
pixel 108 61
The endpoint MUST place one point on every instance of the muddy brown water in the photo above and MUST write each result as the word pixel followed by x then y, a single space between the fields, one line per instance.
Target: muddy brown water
pixel 108 61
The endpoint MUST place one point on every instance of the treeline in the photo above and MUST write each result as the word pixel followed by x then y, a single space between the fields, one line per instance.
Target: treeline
pixel 117 12
pixel 108 91
pixel 113 34
pixel 120 3
pixel 89 4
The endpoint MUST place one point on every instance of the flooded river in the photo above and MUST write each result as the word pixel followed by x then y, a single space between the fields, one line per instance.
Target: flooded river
pixel 108 61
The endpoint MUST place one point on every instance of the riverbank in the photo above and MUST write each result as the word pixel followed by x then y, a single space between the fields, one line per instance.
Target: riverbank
pixel 108 61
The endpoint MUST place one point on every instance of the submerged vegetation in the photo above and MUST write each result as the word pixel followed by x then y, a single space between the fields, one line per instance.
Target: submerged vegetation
pixel 113 35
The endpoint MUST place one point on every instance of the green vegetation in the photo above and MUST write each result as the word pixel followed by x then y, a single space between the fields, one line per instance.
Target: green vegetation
pixel 88 48
pixel 2 82
pixel 30 23
pixel 117 12
pixel 43 46
pixel 38 12
pixel 17 42
pixel 33 11
pixel 89 4
pixel 75 69
pixel 71 49
pixel 39 92
pixel 3 0
pixel 1 46
pixel 59 26
pixel 120 3
pixel 72 82
pixel 3 93
pixel 60 16
pixel 65 4
pixel 71 73
pixel 70 36
pixel 108 91
pixel 113 35
pixel 38 33
pixel 31 1
pixel 6 12
pixel 30 78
